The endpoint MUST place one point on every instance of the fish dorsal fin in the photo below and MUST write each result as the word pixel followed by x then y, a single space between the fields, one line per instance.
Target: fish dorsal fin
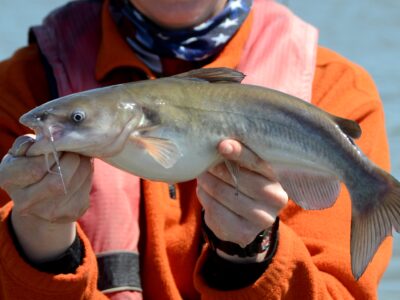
pixel 213 75
pixel 349 127
pixel 310 189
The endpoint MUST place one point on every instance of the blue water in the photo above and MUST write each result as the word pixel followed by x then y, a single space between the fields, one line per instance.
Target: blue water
pixel 367 32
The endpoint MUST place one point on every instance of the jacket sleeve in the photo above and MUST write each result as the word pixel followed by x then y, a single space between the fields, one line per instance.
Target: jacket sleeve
pixel 21 281
pixel 23 86
pixel 312 260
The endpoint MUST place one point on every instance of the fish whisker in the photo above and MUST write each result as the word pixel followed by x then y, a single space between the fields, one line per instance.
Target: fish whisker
pixel 56 159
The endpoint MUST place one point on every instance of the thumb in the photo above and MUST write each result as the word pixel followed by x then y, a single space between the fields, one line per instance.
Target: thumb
pixel 22 144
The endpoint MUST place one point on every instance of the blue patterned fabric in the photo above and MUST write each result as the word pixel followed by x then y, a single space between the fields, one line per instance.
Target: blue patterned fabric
pixel 150 41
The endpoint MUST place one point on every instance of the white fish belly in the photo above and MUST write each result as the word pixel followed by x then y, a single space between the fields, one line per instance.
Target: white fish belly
pixel 195 159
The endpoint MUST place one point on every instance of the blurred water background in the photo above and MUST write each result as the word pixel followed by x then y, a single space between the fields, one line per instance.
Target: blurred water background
pixel 367 32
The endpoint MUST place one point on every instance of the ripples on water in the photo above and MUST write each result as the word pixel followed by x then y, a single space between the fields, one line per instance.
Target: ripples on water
pixel 367 32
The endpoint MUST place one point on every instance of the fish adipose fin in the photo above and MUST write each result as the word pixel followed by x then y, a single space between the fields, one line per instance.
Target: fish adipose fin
pixel 375 212
pixel 213 75
pixel 164 151
pixel 310 189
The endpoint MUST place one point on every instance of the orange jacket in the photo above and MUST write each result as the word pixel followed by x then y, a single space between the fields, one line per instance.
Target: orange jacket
pixel 313 257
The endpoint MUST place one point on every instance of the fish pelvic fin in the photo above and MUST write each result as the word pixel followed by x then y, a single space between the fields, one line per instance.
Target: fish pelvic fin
pixel 373 222
pixel 213 75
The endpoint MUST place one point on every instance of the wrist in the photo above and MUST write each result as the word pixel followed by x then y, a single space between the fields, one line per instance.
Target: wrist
pixel 259 257
pixel 41 240
pixel 260 249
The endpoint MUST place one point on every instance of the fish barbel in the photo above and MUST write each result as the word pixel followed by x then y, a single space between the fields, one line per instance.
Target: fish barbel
pixel 168 130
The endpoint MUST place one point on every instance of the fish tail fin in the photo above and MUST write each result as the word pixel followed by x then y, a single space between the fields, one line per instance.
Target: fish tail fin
pixel 375 213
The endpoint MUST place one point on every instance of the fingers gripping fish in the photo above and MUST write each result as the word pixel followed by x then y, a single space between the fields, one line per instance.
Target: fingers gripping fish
pixel 168 130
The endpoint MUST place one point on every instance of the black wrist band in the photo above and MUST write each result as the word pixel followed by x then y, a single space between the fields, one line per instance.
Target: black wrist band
pixel 65 263
pixel 222 274
pixel 260 244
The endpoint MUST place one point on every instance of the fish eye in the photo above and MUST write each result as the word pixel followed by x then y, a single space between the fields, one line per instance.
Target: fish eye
pixel 78 116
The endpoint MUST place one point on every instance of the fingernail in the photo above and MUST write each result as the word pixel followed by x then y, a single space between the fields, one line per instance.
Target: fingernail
pixel 22 144
pixel 227 149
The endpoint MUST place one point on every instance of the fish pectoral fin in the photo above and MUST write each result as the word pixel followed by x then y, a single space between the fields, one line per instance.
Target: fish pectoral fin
pixel 310 189
pixel 147 128
pixel 213 75
pixel 164 151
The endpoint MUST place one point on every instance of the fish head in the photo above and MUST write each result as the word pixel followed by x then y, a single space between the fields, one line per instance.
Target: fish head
pixel 94 123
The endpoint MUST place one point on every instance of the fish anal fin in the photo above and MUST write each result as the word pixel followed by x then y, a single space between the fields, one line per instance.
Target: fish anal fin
pixel 164 151
pixel 310 189
pixel 349 127
pixel 213 75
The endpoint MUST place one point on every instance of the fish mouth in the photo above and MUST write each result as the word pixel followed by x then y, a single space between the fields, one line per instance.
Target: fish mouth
pixel 49 132
pixel 46 140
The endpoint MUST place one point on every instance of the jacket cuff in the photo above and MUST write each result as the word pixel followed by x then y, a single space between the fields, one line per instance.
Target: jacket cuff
pixel 223 274
pixel 18 273
pixel 66 262
pixel 269 284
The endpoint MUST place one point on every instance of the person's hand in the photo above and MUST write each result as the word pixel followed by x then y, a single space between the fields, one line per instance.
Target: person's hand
pixel 239 215
pixel 43 214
